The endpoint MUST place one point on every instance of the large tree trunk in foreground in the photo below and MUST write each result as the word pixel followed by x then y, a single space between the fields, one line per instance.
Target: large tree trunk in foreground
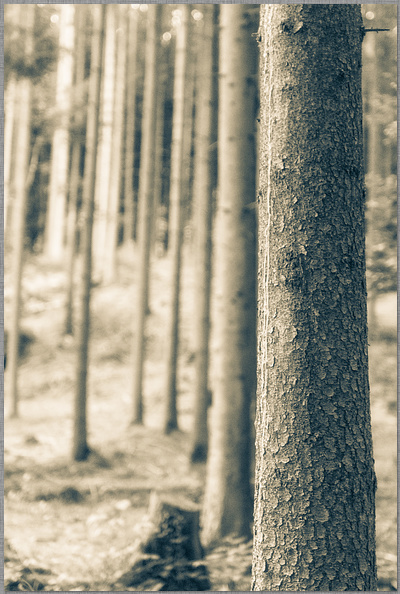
pixel 315 483
pixel 145 210
pixel 23 134
pixel 202 199
pixel 228 501
pixel 175 236
pixel 81 449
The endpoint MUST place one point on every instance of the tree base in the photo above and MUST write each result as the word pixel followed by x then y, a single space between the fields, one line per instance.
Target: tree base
pixel 169 551
pixel 199 454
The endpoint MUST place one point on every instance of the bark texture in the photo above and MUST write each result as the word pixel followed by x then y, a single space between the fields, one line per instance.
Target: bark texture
pixel 227 502
pixel 315 482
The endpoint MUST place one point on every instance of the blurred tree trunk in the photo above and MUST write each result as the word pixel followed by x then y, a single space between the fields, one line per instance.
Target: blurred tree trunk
pixel 104 149
pixel 74 182
pixel 192 59
pixel 110 255
pixel 202 217
pixel 10 102
pixel 228 501
pixel 58 185
pixel 130 100
pixel 374 159
pixel 80 448
pixel 175 235
pixel 315 483
pixel 158 150
pixel 75 178
pixel 145 208
pixel 20 172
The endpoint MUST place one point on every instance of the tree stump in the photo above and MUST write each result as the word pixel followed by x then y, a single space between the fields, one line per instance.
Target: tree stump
pixel 169 549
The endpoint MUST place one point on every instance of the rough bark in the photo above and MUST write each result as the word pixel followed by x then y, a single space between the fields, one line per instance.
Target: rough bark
pixel 175 234
pixel 130 101
pixel 315 484
pixel 228 502
pixel 23 133
pixel 58 186
pixel 80 448
pixel 202 199
pixel 145 211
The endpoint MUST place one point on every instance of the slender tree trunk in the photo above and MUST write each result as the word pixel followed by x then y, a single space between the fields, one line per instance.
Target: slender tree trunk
pixel 315 483
pixel 130 100
pixel 374 160
pixel 227 501
pixel 188 122
pixel 373 155
pixel 10 101
pixel 175 235
pixel 104 155
pixel 145 209
pixel 202 198
pixel 158 152
pixel 74 179
pixel 74 182
pixel 110 259
pixel 24 94
pixel 60 145
pixel 80 446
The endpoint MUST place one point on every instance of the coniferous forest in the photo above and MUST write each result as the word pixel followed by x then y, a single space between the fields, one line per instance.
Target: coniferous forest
pixel 200 242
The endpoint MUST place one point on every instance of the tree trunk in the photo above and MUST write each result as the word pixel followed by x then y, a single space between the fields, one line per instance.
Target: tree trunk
pixel 80 446
pixel 227 501
pixel 202 198
pixel 175 235
pixel 158 151
pixel 10 102
pixel 72 220
pixel 110 259
pixel 75 178
pixel 24 94
pixel 130 100
pixel 60 146
pixel 374 159
pixel 104 155
pixel 315 483
pixel 145 209
pixel 188 122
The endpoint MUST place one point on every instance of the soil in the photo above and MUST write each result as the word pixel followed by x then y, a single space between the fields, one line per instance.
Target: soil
pixel 74 526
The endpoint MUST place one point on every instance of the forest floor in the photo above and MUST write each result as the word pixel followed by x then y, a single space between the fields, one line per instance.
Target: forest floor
pixel 73 526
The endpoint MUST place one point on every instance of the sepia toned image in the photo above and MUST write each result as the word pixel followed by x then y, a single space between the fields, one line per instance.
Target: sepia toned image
pixel 200 307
